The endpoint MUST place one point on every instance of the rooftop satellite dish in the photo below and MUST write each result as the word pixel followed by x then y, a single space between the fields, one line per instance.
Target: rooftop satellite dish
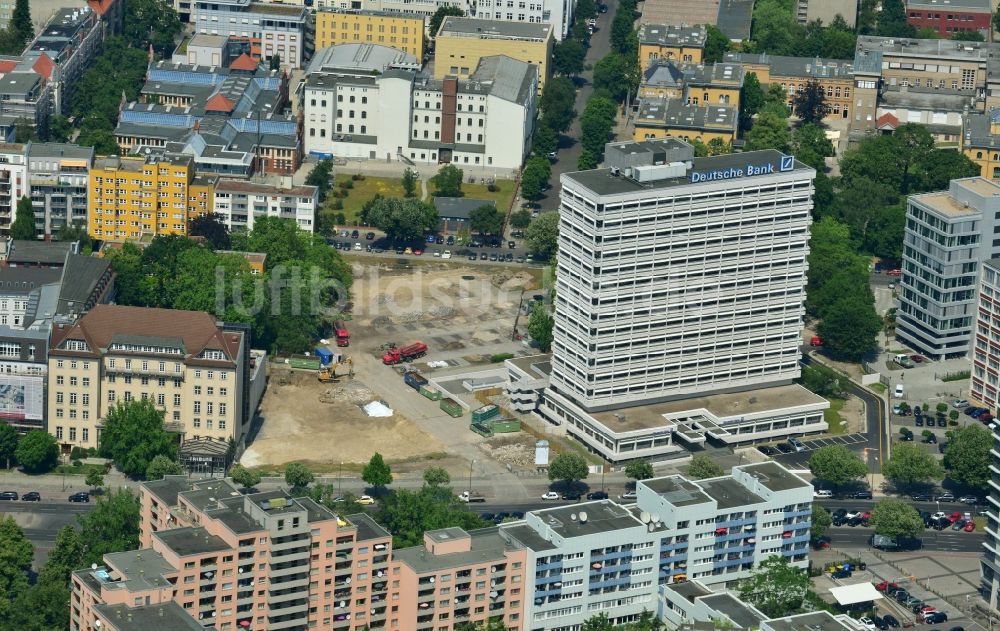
pixel 431 580
pixel 93 566
pixel 583 517
pixel 572 516
pixel 644 516
pixel 655 517
pixel 650 527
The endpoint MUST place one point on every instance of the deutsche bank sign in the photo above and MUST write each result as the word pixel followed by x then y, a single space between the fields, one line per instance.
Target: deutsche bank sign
pixel 786 163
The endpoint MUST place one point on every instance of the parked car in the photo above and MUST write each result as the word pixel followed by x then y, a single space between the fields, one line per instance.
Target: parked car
pixel 861 495
pixel 784 448
pixel 8 496
pixel 839 517
pixel 796 444
pixel 597 495
pixel 572 496
pixel 866 622
pixel 891 620
pixel 935 617
pixel 767 451
pixel 959 524
pixel 945 497
pixel 885 586
pixel 31 496
pixel 918 421
pixel 918 358
pixel 82 496
pixel 550 495
pixel 366 500
pixel 627 495
pixel 959 403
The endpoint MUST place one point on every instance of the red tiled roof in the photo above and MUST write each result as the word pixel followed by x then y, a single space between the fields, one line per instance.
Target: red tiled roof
pixel 219 103
pixel 887 120
pixel 100 7
pixel 244 62
pixel 43 66
pixel 7 65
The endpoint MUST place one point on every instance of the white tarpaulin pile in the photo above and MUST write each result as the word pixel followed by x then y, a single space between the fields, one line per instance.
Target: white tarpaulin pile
pixel 377 409
pixel 437 364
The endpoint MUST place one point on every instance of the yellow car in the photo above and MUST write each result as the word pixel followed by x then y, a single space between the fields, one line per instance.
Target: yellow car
pixel 365 500
pixel 408 251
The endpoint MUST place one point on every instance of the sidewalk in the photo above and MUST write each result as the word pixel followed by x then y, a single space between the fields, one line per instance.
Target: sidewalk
pixel 14 480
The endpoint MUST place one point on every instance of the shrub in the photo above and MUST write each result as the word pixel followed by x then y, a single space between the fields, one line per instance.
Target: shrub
pixel 340 218
pixel 493 188
pixel 77 463
pixel 338 205
pixel 348 184
pixel 357 176
pixel 79 452
pixel 499 357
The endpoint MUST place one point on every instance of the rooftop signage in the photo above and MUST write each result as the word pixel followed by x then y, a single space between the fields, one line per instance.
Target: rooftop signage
pixel 785 163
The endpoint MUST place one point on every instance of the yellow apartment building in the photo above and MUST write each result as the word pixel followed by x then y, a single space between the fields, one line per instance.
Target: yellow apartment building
pixel 182 361
pixel 683 44
pixel 462 42
pixel 980 141
pixel 675 118
pixel 135 196
pixel 402 31
pixel 836 76
pixel 718 84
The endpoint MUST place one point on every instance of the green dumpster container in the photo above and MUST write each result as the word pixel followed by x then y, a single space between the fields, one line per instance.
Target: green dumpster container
pixel 505 425
pixel 482 428
pixel 308 362
pixel 452 407
pixel 430 393
pixel 485 413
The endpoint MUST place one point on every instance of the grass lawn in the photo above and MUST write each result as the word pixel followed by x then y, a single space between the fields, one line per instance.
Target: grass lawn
pixel 502 196
pixel 878 387
pixel 363 191
pixel 832 417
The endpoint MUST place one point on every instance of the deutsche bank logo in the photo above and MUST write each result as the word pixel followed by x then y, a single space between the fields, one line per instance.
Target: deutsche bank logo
pixel 787 163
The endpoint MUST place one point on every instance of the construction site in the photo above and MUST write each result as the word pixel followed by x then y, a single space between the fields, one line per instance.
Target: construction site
pixel 366 390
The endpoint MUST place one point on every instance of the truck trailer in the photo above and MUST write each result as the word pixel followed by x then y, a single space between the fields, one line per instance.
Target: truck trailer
pixel 405 354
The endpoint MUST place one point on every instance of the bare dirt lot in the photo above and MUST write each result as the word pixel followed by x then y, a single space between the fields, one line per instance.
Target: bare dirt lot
pixel 307 421
pixel 463 313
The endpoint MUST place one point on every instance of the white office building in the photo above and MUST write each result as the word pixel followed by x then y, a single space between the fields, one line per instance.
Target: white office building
pixel 949 235
pixel 679 300
pixel 622 559
pixel 239 203
pixel 984 382
pixel 356 108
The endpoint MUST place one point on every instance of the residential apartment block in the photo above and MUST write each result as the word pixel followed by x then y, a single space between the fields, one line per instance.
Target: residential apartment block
pixel 354 107
pixel 279 29
pixel 199 49
pixel 239 204
pixel 53 175
pixel 679 300
pixel 198 371
pixel 136 196
pixel 949 17
pixel 13 181
pixel 989 565
pixel 665 42
pixel 836 76
pixel 266 559
pixel 402 31
pixel 462 42
pixel 985 379
pixel 948 236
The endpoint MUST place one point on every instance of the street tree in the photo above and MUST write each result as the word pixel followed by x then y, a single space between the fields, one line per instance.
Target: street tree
pixel 542 236
pixel 111 526
pixel 210 227
pixel 94 478
pixel 298 476
pixel 568 468
pixel 448 181
pixel 246 478
pixel 37 451
pixel 909 464
pixel 821 521
pixel 408 514
pixel 486 219
pixel 896 518
pixel 546 140
pixel 836 464
pixel 535 176
pixel 810 103
pixel 436 476
pixel 16 554
pixel 64 557
pixel 434 24
pixel 967 456
pixel 850 328
pixel 409 182
pixel 598 622
pixel 639 469
pixel 8 444
pixel 703 467
pixel 321 177
pixel 520 219
pixel 540 327
pixel 568 56
pixel 133 435
pixel 162 465
pixel 776 587
pixel 24 221
pixel 618 74
pixel 557 103
pixel 377 473
pixel 20 22
pixel 401 219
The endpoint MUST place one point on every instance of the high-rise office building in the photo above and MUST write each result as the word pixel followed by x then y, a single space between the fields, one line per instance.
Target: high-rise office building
pixel 679 279
pixel 989 565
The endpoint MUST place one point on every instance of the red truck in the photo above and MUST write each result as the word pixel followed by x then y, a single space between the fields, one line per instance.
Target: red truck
pixel 404 354
pixel 342 334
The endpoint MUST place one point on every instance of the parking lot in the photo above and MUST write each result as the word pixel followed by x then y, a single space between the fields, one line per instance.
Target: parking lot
pixel 800 459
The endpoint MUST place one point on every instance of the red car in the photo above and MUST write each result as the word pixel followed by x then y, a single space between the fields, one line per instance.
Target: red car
pixel 917 358
pixel 884 585
pixel 894 272
pixel 417 251
pixel 954 517
pixel 969 526
pixel 816 341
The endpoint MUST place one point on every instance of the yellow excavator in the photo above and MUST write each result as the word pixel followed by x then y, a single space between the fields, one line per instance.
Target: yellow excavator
pixel 329 373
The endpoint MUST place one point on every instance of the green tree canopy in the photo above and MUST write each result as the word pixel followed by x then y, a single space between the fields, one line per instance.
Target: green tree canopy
pixel 409 182
pixel 769 131
pixel 448 181
pixel 16 554
pixel 618 74
pixel 540 327
pixel 896 518
pixel 65 556
pixel 246 478
pixel 162 465
pixel 8 444
pixel 810 103
pixel 751 99
pixel 94 478
pixel 210 227
pixel 151 23
pixel 535 176
pixel 24 221
pixel 821 521
pixel 408 514
pixel 967 456
pixel 568 468
pixel 133 435
pixel 520 219
pixel 568 56
pixel 436 476
pixel 111 526
pixel 402 219
pixel 776 587
pixel 836 464
pixel 542 235
pixel 557 103
pixel 298 476
pixel 377 473
pixel 850 328
pixel 434 24
pixel 703 467
pixel 639 469
pixel 716 45
pixel 37 451
pixel 486 219
pixel 909 464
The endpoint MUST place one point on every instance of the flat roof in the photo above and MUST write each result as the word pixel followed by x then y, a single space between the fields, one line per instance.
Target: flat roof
pixel 367 528
pixel 690 589
pixel 719 405
pixel 486 546
pixel 539 366
pixel 813 621
pixel 489 29
pixel 602 182
pixel 912 47
pixel 139 569
pixel 856 593
pixel 984 6
pixel 774 477
pixel 677 490
pixel 601 516
pixel 168 616
pixel 526 536
pixel 728 493
pixel 190 541
pixel 944 203
pixel 740 614
pixel 672 35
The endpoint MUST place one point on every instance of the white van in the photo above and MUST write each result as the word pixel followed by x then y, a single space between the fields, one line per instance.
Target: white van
pixel 822 494
pixel 898 392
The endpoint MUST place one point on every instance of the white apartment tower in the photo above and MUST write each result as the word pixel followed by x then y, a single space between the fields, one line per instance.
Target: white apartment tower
pixel 679 277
